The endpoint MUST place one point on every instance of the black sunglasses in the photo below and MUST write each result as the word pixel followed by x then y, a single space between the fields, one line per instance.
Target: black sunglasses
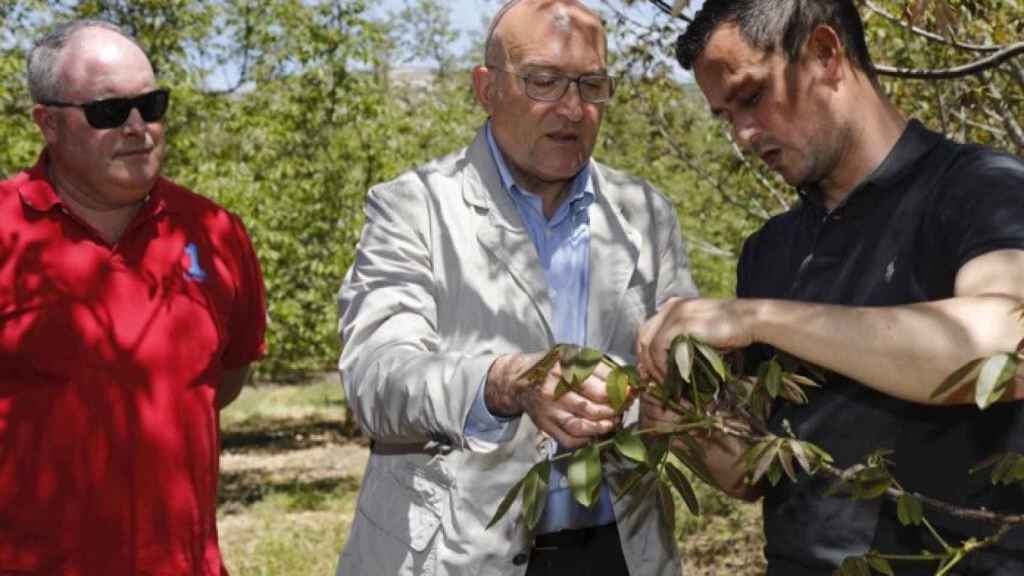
pixel 113 112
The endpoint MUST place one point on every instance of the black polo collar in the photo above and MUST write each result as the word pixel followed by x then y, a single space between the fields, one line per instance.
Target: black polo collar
pixel 911 147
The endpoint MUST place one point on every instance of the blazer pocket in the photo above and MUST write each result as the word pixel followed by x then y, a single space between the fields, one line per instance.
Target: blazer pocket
pixel 406 506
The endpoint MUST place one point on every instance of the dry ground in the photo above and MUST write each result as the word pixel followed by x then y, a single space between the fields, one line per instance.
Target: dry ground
pixel 290 475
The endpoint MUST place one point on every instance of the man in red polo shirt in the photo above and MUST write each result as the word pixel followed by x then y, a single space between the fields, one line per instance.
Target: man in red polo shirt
pixel 130 311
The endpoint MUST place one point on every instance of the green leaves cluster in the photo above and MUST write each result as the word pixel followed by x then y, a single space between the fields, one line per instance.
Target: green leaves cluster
pixel 987 379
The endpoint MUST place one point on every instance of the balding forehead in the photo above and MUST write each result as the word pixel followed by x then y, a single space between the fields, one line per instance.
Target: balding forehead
pixel 564 15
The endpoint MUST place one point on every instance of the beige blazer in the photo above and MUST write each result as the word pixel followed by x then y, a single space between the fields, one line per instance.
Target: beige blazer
pixel 445 279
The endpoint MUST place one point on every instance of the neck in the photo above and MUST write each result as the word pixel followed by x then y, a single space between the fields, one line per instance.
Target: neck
pixel 109 221
pixel 551 193
pixel 872 132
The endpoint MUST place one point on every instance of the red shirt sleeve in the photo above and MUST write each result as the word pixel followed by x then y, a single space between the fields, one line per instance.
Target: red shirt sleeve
pixel 248 317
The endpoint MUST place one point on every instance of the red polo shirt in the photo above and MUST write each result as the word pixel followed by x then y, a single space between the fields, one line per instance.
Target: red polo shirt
pixel 110 358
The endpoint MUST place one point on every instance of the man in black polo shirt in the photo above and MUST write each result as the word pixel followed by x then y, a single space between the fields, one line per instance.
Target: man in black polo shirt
pixel 903 260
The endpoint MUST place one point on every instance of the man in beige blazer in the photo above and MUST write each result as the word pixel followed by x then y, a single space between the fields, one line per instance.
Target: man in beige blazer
pixel 471 267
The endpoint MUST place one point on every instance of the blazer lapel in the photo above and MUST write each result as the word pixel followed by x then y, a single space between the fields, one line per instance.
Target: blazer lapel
pixel 503 233
pixel 614 251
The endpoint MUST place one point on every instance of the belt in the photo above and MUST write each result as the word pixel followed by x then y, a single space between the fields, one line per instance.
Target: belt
pixel 572 538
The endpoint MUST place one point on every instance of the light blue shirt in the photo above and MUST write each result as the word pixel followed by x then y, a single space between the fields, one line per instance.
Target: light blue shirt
pixel 563 246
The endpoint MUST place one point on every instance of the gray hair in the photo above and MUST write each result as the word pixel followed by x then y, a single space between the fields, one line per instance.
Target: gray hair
pixel 43 76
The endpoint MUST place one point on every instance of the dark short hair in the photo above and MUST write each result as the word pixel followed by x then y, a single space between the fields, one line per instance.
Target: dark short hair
pixel 772 25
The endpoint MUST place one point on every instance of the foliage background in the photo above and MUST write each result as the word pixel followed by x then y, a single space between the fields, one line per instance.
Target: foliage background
pixel 319 104
pixel 319 109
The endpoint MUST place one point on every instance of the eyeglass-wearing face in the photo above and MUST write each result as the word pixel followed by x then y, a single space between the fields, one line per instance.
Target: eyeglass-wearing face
pixel 114 112
pixel 550 87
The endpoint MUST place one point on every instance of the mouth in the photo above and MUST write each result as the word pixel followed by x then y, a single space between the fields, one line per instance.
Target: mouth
pixel 134 153
pixel 564 137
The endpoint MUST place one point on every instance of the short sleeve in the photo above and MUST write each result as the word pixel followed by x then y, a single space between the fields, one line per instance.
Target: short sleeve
pixel 982 205
pixel 248 316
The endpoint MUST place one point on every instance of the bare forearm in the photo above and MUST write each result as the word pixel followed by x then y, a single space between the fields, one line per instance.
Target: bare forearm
pixel 903 351
pixel 232 385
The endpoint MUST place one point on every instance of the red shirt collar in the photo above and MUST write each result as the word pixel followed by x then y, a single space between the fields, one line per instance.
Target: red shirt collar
pixel 37 193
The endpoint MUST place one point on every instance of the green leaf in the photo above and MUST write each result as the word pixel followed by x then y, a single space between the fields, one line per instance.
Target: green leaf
pixel 713 358
pixel 880 565
pixel 682 352
pixel 579 363
pixel 909 510
pixel 963 376
pixel 536 374
pixel 771 377
pixel 764 460
pixel 855 567
pixel 632 481
pixel 617 386
pixel 507 501
pixel 535 492
pixel 563 388
pixel 682 485
pixel 786 461
pixel 801 455
pixel 630 445
pixel 996 374
pixel 584 474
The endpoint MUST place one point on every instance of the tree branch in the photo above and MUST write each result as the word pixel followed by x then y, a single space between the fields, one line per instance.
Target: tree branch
pixel 667 9
pixel 980 65
pixel 929 34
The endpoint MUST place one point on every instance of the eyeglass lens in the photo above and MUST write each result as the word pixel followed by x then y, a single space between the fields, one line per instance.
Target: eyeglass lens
pixel 549 87
pixel 114 112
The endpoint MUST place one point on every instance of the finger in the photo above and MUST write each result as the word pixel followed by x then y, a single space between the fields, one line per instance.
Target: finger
pixel 643 343
pixel 584 407
pixel 586 429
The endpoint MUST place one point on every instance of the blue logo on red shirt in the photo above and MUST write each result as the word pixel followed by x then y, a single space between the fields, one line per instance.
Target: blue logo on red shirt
pixel 194 271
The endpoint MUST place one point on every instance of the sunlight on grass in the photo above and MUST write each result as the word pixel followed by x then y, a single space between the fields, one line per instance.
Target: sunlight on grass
pixel 322 399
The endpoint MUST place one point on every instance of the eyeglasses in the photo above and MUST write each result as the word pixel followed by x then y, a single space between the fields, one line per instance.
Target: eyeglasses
pixel 550 87
pixel 114 112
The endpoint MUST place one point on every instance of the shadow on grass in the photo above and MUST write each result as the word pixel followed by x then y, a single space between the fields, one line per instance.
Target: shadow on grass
pixel 275 435
pixel 240 490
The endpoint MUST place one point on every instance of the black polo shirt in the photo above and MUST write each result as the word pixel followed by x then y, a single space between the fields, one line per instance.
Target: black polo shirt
pixel 900 237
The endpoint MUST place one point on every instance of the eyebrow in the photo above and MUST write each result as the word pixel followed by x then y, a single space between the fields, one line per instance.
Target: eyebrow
pixel 731 90
pixel 549 67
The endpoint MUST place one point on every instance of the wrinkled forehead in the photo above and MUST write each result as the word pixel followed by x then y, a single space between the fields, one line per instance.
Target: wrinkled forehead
pixel 555 24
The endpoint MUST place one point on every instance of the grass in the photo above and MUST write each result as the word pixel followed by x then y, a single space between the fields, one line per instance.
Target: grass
pixel 290 476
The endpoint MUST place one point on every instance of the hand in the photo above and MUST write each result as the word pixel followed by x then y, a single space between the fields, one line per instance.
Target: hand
pixel 572 420
pixel 723 324
pixel 652 415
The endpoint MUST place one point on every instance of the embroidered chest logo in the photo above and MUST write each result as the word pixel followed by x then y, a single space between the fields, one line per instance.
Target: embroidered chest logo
pixel 890 270
pixel 193 271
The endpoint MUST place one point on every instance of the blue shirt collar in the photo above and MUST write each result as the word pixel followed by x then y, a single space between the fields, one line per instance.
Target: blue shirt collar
pixel 582 187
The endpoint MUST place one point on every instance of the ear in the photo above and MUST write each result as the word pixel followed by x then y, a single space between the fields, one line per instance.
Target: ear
pixel 47 121
pixel 484 88
pixel 825 51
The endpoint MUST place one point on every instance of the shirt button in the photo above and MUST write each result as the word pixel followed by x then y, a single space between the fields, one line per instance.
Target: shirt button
pixel 520 559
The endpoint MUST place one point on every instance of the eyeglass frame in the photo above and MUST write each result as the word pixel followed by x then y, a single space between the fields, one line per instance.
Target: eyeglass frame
pixel 134 102
pixel 525 77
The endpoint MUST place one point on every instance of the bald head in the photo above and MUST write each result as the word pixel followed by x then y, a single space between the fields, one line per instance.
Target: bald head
pixel 97 40
pixel 519 22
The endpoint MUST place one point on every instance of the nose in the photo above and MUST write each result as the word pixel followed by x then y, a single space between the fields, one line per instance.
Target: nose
pixel 744 131
pixel 570 104
pixel 134 124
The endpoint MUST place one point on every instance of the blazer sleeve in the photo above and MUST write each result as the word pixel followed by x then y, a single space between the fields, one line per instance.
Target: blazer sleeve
pixel 674 277
pixel 402 386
